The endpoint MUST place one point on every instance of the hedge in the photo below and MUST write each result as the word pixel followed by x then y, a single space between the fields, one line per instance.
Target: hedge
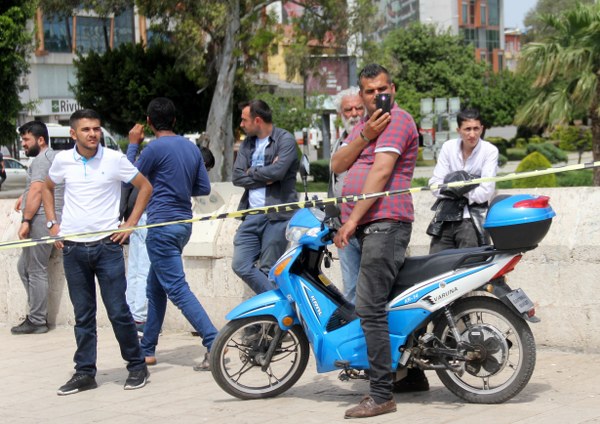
pixel 533 162
pixel 550 151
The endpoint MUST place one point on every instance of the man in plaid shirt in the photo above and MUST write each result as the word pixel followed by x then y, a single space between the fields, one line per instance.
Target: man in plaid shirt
pixel 380 155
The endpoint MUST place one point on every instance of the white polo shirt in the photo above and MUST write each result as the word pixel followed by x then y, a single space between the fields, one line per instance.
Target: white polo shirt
pixel 92 190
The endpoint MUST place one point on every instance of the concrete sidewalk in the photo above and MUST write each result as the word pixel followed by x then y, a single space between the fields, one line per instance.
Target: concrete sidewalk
pixel 563 389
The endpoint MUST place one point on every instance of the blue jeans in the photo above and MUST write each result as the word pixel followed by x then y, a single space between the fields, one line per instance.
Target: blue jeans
pixel 166 279
pixel 350 262
pixel 383 250
pixel 138 265
pixel 104 261
pixel 257 245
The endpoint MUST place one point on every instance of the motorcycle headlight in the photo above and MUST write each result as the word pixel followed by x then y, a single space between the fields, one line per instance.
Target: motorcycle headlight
pixel 294 234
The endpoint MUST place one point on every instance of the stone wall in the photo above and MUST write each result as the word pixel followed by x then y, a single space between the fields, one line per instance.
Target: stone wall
pixel 559 275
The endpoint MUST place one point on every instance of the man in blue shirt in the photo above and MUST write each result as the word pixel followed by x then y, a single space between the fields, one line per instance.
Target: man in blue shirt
pixel 175 167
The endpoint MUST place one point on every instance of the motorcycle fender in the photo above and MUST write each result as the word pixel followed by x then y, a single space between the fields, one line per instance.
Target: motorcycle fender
pixel 514 299
pixel 271 303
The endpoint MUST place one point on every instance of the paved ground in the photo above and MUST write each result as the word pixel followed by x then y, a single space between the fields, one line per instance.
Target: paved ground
pixel 563 389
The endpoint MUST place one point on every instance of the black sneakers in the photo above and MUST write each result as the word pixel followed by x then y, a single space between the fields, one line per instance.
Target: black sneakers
pixel 137 379
pixel 78 383
pixel 27 327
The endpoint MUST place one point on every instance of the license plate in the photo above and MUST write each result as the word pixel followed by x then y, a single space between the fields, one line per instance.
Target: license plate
pixel 520 300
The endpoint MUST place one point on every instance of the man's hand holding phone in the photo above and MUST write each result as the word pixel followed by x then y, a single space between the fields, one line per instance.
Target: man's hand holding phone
pixel 383 101
pixel 380 118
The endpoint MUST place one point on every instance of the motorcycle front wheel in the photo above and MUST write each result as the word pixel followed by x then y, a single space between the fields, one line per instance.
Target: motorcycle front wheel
pixel 501 348
pixel 237 357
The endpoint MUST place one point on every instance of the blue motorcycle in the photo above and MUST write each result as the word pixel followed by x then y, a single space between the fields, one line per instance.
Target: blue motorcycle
pixel 452 312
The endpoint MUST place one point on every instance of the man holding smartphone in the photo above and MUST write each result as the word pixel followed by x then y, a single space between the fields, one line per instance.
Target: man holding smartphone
pixel 380 156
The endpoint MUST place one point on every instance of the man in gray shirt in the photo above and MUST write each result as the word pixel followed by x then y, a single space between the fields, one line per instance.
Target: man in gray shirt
pixel 33 263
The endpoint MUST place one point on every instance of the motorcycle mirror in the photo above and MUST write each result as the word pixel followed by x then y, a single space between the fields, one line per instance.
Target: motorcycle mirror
pixel 304 167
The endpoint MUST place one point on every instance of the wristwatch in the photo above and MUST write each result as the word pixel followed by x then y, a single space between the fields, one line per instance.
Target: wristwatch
pixel 26 220
pixel 51 224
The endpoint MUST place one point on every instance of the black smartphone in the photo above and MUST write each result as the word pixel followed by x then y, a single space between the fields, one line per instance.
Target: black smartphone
pixel 383 101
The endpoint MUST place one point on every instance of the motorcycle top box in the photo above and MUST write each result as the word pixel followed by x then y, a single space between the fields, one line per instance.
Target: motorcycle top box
pixel 518 222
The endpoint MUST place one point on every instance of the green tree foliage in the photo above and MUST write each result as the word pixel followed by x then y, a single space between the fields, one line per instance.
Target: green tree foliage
pixel 427 63
pixel 503 94
pixel 566 66
pixel 572 138
pixel 15 45
pixel 120 83
pixel 229 39
pixel 288 112
pixel 533 162
pixel 533 19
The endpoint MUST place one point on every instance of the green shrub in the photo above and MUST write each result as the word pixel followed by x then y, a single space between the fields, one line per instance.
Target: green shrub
pixel 572 138
pixel 550 151
pixel 536 139
pixel 319 170
pixel 502 160
pixel 532 162
pixel 419 182
pixel 521 142
pixel 580 178
pixel 516 153
pixel 500 143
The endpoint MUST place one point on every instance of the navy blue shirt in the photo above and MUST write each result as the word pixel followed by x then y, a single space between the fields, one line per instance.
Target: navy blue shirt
pixel 175 168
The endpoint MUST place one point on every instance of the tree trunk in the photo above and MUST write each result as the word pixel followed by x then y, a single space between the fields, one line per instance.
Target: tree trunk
pixel 219 125
pixel 595 118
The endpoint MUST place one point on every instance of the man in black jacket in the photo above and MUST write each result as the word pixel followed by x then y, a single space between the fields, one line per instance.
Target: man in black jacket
pixel 265 167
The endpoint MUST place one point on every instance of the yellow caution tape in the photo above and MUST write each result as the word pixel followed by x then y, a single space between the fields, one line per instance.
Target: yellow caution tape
pixel 288 207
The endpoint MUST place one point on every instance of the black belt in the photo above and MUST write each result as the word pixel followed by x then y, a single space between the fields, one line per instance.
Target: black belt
pixel 105 240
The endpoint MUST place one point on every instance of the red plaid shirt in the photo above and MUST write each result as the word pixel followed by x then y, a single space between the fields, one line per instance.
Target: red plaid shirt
pixel 400 136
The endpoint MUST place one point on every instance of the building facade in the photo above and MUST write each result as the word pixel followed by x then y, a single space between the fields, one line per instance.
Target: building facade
pixel 58 40
pixel 480 22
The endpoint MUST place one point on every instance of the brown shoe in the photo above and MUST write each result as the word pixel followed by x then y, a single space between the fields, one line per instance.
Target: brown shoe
pixel 368 408
pixel 151 360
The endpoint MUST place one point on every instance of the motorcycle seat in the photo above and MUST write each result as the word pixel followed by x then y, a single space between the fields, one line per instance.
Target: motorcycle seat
pixel 420 268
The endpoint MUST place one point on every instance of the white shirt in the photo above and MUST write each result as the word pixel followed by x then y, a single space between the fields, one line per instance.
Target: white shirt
pixel 92 190
pixel 483 162
pixel 257 196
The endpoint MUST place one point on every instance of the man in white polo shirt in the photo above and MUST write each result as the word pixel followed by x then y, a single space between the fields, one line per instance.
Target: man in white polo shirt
pixel 92 176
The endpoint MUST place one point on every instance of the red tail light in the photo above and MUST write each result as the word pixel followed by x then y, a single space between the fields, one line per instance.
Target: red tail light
pixel 508 267
pixel 539 202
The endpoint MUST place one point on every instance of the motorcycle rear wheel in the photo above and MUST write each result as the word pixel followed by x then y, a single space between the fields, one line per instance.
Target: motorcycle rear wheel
pixel 505 348
pixel 235 358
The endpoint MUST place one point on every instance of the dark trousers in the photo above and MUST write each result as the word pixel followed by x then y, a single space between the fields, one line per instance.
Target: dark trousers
pixel 383 249
pixel 455 235
pixel 104 261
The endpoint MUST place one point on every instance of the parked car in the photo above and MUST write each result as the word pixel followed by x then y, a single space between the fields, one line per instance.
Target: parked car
pixel 16 174
pixel 60 139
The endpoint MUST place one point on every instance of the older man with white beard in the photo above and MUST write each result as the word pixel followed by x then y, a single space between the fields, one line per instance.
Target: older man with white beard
pixel 350 107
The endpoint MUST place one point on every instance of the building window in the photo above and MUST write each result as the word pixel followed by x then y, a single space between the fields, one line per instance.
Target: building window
pixel 492 39
pixel 465 13
pixel 92 34
pixel 123 30
pixel 493 12
pixel 483 14
pixel 472 12
pixel 57 34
